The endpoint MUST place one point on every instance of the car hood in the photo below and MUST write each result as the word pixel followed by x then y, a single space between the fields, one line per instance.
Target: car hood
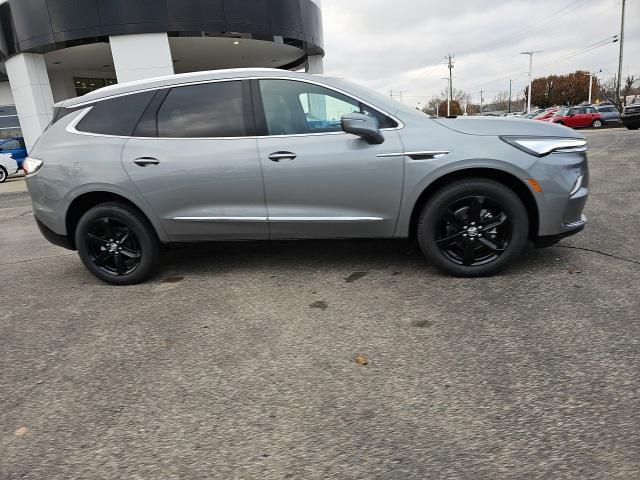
pixel 490 126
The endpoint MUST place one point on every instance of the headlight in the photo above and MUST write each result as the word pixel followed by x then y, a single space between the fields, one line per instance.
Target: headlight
pixel 541 146
pixel 31 165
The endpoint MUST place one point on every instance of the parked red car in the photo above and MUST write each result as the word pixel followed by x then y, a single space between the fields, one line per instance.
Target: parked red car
pixel 546 115
pixel 578 117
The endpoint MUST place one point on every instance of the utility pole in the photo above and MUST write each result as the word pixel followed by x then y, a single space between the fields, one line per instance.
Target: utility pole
pixel 531 53
pixel 481 101
pixel 621 51
pixel 510 83
pixel 450 99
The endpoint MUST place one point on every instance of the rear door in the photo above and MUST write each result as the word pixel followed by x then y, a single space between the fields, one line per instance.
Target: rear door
pixel 583 118
pixel 321 182
pixel 193 160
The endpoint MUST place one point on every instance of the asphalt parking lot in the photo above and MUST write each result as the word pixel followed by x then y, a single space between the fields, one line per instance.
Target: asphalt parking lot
pixel 239 361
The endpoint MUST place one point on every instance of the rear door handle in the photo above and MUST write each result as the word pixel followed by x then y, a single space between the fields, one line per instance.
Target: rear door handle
pixel 279 156
pixel 146 161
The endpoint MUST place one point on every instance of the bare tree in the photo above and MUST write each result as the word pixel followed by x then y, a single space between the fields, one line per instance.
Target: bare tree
pixel 609 94
pixel 501 101
pixel 438 101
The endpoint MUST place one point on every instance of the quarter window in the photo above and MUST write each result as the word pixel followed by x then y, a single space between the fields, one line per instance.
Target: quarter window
pixel 11 145
pixel 206 110
pixel 117 116
pixel 292 107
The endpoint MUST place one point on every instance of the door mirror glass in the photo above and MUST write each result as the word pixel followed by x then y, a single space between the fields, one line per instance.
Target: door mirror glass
pixel 363 126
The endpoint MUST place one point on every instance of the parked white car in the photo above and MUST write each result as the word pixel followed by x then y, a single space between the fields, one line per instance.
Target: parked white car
pixel 8 166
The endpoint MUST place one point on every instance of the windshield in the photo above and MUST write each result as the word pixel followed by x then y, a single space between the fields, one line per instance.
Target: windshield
pixel 561 112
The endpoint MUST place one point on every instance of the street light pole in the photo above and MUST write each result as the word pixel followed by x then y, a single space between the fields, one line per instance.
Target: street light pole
pixel 510 82
pixel 530 53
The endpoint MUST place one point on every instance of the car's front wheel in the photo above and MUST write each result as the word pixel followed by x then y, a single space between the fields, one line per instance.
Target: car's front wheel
pixel 117 244
pixel 596 124
pixel 3 174
pixel 473 227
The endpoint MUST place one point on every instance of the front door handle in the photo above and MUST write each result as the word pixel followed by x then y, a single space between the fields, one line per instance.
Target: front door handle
pixel 146 161
pixel 279 156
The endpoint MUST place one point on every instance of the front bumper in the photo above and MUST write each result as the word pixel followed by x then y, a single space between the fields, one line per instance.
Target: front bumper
pixel 570 229
pixel 631 120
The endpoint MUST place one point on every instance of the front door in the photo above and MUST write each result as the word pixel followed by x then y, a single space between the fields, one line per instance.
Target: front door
pixel 195 165
pixel 319 181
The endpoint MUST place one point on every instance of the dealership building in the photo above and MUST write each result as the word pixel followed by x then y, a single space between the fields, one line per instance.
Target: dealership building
pixel 51 50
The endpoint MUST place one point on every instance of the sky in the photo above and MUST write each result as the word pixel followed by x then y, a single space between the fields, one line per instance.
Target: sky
pixel 401 44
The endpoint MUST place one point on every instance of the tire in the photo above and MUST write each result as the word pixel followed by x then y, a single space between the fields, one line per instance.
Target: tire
pixel 597 124
pixel 635 127
pixel 492 211
pixel 117 244
pixel 3 175
pixel 560 123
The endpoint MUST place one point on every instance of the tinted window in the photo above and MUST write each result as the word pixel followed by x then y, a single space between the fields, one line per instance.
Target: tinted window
pixel 206 110
pixel 118 116
pixel 292 107
pixel 11 145
pixel 59 112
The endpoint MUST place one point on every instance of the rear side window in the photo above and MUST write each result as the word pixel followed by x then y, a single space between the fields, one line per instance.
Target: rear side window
pixel 59 113
pixel 206 110
pixel 11 145
pixel 117 116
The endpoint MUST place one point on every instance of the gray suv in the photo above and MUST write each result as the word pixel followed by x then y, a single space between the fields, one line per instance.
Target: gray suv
pixel 255 154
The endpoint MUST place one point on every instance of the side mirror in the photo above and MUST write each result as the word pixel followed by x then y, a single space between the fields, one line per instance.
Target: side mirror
pixel 363 126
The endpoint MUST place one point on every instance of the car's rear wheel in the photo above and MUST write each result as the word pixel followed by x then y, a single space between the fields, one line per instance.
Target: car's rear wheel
pixel 3 174
pixel 596 124
pixel 117 244
pixel 473 227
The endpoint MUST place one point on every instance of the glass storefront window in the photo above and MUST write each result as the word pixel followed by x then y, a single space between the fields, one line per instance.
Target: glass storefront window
pixel 86 85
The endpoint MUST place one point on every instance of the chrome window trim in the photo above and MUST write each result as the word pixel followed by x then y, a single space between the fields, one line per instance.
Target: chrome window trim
pixel 71 128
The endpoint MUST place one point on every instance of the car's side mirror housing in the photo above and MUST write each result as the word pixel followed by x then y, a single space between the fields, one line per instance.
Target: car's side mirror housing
pixel 363 126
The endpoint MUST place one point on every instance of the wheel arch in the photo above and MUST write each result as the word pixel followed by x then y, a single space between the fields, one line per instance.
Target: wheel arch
pixel 505 178
pixel 84 202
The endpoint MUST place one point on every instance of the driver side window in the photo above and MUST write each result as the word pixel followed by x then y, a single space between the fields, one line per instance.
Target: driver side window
pixel 292 108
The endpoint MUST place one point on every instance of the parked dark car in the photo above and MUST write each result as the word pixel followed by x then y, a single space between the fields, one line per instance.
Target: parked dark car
pixel 631 116
pixel 610 114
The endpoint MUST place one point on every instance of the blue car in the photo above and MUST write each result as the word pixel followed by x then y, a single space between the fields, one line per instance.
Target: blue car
pixel 15 147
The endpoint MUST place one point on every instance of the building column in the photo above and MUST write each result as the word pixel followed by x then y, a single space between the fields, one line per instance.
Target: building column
pixel 31 92
pixel 141 56
pixel 315 64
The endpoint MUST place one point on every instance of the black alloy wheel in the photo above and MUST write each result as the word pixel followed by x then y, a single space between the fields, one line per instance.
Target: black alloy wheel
pixel 117 244
pixel 473 227
pixel 473 231
pixel 113 247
